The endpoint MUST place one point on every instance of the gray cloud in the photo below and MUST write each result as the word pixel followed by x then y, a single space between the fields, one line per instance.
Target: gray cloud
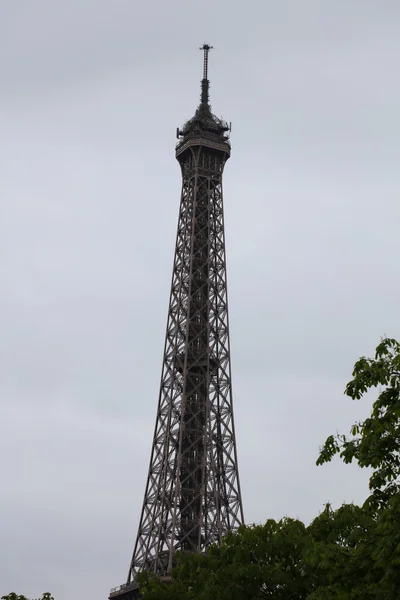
pixel 90 98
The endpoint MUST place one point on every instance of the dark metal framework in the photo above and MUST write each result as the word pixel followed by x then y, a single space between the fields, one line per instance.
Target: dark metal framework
pixel 192 495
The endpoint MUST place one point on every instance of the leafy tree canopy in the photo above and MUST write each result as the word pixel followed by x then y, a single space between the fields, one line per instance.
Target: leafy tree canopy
pixel 13 596
pixel 254 562
pixel 375 441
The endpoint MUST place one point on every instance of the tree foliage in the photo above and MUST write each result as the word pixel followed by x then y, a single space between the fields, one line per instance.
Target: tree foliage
pixel 13 596
pixel 375 441
pixel 257 562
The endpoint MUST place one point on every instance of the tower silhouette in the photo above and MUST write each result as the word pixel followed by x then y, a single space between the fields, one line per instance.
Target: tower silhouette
pixel 192 497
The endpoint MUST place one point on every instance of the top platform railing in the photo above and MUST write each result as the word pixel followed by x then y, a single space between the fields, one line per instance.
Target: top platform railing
pixel 198 136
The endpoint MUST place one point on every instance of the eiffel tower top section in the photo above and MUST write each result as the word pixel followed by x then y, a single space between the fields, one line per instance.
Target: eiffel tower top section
pixel 204 128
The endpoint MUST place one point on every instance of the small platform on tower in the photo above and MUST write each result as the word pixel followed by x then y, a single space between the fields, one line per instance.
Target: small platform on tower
pixel 131 591
pixel 127 591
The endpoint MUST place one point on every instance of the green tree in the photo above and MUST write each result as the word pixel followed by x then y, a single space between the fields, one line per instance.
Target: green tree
pixel 386 549
pixel 13 596
pixel 341 555
pixel 254 563
pixel 375 441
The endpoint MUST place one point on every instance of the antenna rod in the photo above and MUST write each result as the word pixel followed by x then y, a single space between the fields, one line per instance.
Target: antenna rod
pixel 205 84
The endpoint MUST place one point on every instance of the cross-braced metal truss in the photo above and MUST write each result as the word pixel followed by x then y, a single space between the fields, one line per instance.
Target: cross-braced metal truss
pixel 192 495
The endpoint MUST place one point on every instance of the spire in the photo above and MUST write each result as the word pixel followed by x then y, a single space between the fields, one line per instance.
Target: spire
pixel 205 84
pixel 203 118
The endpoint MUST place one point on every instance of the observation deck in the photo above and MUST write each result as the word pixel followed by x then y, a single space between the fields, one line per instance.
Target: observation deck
pixel 128 591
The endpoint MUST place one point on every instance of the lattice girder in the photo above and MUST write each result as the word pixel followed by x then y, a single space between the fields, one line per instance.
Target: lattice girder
pixel 192 495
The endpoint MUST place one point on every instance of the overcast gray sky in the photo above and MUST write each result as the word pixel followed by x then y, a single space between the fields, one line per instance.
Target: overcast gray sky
pixel 91 94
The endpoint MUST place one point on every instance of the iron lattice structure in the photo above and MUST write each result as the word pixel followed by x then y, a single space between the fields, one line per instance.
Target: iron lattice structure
pixel 192 495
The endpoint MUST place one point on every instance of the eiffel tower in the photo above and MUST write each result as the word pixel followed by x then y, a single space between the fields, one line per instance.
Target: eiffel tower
pixel 192 497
